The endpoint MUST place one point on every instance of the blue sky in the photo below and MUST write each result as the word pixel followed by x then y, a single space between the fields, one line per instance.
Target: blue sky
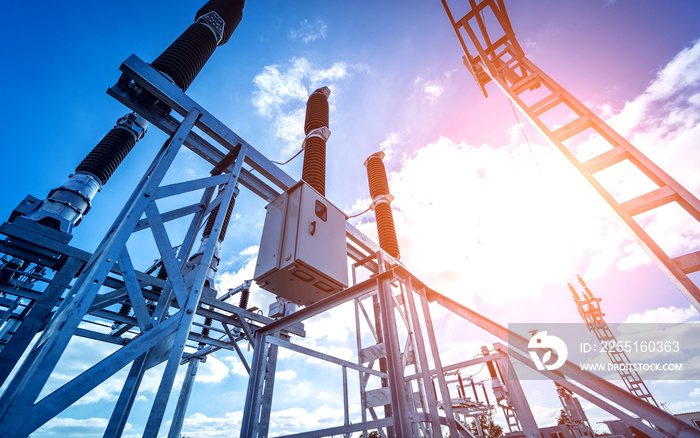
pixel 398 84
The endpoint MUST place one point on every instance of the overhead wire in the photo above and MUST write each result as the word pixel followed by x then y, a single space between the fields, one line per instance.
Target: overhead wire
pixel 548 189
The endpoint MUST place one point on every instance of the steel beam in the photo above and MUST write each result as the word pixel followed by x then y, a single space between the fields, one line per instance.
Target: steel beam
pixel 184 399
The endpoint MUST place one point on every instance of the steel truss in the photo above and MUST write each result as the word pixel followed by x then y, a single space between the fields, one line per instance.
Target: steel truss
pixel 46 311
pixel 403 373
pixel 492 53
pixel 67 292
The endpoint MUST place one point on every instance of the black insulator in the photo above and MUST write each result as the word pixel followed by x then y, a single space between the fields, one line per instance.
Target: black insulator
pixel 212 218
pixel 245 294
pixel 162 275
pixel 185 57
pixel 376 174
pixel 104 159
pixel 317 110
pixel 386 230
pixel 205 329
pixel 314 169
pixel 125 309
pixel 230 10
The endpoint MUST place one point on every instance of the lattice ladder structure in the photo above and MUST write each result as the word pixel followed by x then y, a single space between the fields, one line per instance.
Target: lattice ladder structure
pixel 540 98
pixel 400 294
pixel 589 308
pixel 422 397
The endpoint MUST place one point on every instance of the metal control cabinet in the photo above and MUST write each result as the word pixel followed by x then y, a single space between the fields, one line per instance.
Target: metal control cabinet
pixel 303 250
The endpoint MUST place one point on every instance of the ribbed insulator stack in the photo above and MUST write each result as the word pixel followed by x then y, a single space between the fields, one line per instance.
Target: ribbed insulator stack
pixel 214 25
pixel 109 153
pixel 206 329
pixel 381 200
pixel 181 62
pixel 212 217
pixel 245 295
pixel 314 169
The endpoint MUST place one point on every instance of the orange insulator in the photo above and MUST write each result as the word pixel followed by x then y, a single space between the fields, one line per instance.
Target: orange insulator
pixel 314 168
pixel 314 171
pixel 381 198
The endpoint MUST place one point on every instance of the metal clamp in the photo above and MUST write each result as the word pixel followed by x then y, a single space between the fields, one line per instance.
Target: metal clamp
pixel 323 133
pixel 381 199
pixel 134 122
pixel 215 23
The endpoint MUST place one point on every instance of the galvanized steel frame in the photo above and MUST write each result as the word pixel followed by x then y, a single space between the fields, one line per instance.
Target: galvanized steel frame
pixel 21 413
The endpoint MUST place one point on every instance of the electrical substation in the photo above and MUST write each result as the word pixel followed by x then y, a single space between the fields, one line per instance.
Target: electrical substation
pixel 310 258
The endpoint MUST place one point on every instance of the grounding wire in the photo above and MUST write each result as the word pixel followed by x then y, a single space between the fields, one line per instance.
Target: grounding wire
pixel 293 157
pixel 546 185
pixel 360 213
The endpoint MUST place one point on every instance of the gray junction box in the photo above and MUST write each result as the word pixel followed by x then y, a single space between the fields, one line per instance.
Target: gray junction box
pixel 303 250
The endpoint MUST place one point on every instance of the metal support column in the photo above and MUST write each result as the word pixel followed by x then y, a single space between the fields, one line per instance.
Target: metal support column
pixel 517 395
pixel 184 398
pixel 442 384
pixel 267 391
pixel 251 410
pixel 121 411
pixel 399 402
pixel 424 367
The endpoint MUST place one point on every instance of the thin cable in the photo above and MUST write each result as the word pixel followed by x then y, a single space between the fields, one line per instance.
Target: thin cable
pixel 544 181
pixel 480 370
pixel 360 214
pixel 295 155
pixel 550 417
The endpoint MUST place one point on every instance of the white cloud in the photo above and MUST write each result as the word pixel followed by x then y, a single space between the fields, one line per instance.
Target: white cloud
pixel 199 425
pixel 670 314
pixel 281 93
pixel 75 427
pixel 251 250
pixel 297 419
pixel 290 128
pixel 277 87
pixel 307 31
pixel 431 89
pixel 237 367
pixel 391 141
pixel 211 371
pixel 286 375
pixel 485 212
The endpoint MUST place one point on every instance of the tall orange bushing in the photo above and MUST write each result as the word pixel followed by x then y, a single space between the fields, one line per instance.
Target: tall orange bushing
pixel 381 200
pixel 314 169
